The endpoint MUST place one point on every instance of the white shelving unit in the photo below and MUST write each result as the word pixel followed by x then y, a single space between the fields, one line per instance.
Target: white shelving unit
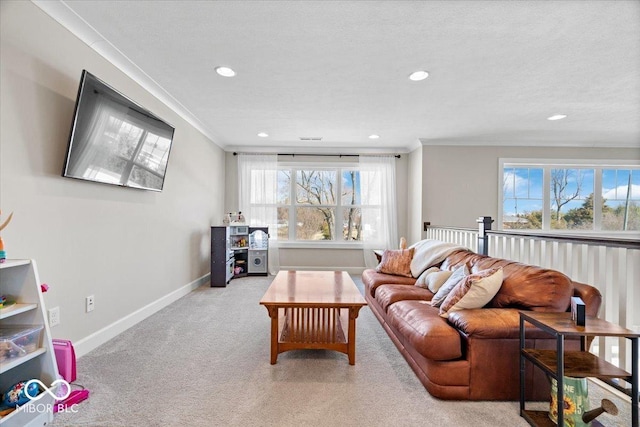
pixel 19 280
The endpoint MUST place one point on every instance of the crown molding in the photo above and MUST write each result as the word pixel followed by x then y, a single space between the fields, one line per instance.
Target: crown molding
pixel 65 16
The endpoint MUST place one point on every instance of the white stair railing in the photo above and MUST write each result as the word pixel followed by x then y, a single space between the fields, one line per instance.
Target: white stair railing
pixel 612 265
pixel 467 237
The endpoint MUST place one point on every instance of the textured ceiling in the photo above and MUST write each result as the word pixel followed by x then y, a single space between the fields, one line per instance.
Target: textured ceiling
pixel 338 69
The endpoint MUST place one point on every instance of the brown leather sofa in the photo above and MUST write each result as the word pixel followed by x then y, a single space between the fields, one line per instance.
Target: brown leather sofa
pixel 474 354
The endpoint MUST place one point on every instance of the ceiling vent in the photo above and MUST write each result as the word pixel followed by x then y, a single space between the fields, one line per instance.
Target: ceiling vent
pixel 310 138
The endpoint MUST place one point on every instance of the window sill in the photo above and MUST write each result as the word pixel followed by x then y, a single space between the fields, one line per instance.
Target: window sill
pixel 318 245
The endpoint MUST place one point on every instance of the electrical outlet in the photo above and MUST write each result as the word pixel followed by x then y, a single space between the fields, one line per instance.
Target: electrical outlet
pixel 90 303
pixel 54 316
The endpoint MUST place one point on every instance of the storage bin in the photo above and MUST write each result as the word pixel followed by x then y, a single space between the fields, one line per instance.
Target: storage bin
pixel 17 341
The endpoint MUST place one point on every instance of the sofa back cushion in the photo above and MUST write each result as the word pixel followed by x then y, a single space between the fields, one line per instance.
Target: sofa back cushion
pixel 524 286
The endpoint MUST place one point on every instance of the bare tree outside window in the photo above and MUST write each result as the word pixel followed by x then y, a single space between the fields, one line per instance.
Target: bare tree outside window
pixel 566 186
pixel 323 204
pixel 318 190
pixel 350 200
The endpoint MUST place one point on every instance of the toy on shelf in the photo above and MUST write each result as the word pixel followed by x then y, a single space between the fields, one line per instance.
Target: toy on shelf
pixel 3 254
pixel 233 218
pixel 16 395
pixel 6 302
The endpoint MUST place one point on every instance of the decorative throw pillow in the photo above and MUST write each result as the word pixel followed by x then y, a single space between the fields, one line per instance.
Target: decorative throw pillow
pixel 456 276
pixel 397 262
pixel 422 279
pixel 474 291
pixel 436 280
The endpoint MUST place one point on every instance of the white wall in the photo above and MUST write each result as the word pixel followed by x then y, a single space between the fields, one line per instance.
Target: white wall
pixel 460 183
pixel 414 198
pixel 127 247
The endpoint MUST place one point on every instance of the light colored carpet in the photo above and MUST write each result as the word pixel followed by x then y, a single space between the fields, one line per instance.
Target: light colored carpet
pixel 204 360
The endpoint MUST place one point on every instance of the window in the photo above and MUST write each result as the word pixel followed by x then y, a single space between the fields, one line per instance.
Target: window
pixel 522 197
pixel 319 203
pixel 621 199
pixel 547 196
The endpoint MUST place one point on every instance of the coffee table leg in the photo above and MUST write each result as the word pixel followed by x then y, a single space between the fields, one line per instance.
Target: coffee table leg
pixel 351 341
pixel 273 313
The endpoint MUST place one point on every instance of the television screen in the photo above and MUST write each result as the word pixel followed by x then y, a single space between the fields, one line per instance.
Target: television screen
pixel 116 141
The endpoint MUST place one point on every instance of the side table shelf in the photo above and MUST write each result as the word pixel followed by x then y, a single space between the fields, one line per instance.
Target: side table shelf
pixel 579 364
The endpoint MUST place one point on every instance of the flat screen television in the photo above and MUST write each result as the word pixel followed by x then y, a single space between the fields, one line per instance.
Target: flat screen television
pixel 116 141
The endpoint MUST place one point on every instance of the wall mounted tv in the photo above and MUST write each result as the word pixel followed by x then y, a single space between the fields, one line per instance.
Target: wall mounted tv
pixel 116 141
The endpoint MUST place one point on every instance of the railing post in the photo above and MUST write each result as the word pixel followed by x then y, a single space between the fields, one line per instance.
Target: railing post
pixel 484 224
pixel 425 229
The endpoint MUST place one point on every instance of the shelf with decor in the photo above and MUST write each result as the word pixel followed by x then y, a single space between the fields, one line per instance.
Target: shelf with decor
pixel 559 363
pixel 238 251
pixel 26 349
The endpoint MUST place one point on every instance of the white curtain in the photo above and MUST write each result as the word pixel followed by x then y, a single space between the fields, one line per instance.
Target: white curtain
pixel 257 198
pixel 379 213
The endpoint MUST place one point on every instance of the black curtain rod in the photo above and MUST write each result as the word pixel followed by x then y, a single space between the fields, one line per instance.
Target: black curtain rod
pixel 397 156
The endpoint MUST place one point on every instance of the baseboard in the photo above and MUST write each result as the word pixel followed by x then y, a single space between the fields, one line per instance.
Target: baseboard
pixel 350 270
pixel 85 345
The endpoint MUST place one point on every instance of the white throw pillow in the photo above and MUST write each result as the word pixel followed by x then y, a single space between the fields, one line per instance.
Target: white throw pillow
pixel 474 291
pixel 458 275
pixel 437 279
pixel 422 279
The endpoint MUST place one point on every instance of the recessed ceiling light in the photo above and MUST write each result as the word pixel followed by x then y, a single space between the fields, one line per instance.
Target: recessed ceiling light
pixel 416 76
pixel 225 71
pixel 374 136
pixel 557 117
pixel 263 134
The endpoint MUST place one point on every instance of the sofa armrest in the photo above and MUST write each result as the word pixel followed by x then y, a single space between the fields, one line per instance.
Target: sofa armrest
pixel 503 323
pixel 590 295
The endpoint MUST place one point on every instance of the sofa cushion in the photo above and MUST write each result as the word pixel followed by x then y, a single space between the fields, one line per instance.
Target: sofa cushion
pixel 396 262
pixel 389 294
pixel 372 279
pixel 459 273
pixel 524 286
pixel 474 291
pixel 492 323
pixel 431 335
pixel 533 288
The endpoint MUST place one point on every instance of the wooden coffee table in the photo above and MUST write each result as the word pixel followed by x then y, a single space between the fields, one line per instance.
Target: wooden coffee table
pixel 313 310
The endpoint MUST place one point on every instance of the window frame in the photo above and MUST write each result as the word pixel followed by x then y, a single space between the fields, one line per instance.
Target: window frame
pixel 547 165
pixel 339 167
